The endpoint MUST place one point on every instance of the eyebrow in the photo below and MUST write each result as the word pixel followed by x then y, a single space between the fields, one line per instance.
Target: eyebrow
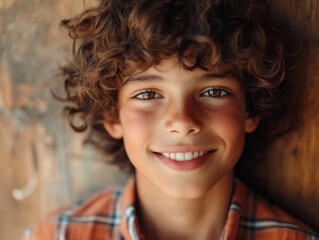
pixel 224 75
pixel 143 78
pixel 157 78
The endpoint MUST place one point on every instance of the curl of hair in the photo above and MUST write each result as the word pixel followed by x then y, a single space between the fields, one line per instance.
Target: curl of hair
pixel 117 38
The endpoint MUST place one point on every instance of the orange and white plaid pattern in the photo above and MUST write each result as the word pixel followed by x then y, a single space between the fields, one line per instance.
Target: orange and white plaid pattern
pixel 110 215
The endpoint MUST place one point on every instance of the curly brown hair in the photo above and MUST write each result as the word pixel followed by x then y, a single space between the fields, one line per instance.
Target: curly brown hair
pixel 119 37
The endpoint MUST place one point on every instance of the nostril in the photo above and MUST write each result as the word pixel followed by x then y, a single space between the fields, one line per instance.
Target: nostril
pixel 182 122
pixel 184 129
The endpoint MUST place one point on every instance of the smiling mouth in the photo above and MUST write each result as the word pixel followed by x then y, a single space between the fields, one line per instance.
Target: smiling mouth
pixel 187 156
pixel 184 160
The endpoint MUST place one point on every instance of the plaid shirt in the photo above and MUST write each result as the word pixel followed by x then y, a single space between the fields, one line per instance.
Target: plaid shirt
pixel 111 215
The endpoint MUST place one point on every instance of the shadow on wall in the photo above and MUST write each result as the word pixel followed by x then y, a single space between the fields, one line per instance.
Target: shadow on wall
pixel 289 174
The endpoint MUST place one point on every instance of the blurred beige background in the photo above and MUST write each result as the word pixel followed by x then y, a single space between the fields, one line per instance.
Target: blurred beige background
pixel 43 164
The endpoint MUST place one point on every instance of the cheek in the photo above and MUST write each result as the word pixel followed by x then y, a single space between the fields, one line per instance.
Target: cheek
pixel 234 128
pixel 229 126
pixel 136 119
pixel 235 135
pixel 139 129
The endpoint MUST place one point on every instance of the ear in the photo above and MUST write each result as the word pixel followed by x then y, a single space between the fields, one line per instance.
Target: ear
pixel 251 123
pixel 114 128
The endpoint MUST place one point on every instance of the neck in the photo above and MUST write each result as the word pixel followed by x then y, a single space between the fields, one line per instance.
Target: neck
pixel 164 217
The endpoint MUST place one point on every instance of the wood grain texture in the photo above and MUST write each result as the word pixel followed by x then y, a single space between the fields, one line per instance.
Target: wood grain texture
pixel 290 174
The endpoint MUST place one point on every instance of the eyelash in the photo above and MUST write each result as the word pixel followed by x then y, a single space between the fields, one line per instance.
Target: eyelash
pixel 221 93
pixel 148 92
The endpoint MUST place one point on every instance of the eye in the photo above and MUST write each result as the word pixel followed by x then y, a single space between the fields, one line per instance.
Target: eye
pixel 215 93
pixel 147 95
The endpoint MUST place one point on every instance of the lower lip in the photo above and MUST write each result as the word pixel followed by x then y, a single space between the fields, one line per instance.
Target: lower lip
pixel 184 165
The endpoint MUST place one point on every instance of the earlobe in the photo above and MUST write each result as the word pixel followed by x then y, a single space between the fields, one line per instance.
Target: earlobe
pixel 251 123
pixel 114 128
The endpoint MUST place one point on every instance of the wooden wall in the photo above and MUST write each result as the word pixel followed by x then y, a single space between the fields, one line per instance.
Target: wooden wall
pixel 42 164
pixel 290 175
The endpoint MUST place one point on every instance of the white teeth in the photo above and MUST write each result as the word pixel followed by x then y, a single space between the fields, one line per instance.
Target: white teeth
pixel 184 156
pixel 179 156
pixel 188 156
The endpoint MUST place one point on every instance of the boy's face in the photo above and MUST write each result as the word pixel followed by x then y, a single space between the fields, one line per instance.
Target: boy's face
pixel 182 130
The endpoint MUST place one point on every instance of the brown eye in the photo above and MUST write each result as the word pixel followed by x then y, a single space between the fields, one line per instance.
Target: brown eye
pixel 214 93
pixel 147 95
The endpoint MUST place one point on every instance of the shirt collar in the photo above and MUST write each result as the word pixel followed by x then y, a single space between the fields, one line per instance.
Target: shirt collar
pixel 235 211
pixel 129 226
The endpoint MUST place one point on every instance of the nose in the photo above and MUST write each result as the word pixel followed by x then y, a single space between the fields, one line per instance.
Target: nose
pixel 181 119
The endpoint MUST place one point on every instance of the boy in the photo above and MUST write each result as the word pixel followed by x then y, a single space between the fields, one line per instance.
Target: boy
pixel 178 85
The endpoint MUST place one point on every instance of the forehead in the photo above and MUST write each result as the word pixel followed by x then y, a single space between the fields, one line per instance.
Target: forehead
pixel 171 67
